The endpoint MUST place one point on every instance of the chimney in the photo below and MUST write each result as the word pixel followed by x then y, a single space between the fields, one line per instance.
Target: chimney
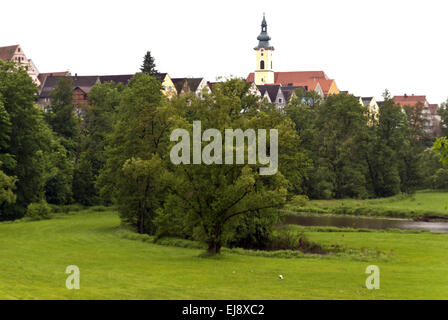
pixel 405 95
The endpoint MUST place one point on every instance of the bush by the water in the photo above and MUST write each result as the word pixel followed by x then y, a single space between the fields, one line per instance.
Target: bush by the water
pixel 254 231
pixel 291 240
pixel 38 210
pixel 299 200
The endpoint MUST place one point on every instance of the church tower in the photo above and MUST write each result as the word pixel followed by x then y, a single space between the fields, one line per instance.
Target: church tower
pixel 264 73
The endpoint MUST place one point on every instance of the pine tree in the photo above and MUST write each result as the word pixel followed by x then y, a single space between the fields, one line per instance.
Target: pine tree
pixel 149 65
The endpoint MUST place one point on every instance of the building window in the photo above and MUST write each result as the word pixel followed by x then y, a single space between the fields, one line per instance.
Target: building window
pixel 280 100
pixel 262 65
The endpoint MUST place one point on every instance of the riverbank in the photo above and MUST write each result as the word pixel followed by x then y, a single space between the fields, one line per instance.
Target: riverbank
pixel 35 254
pixel 424 206
pixel 362 222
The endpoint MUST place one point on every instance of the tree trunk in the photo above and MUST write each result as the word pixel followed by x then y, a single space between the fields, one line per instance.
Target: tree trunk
pixel 214 247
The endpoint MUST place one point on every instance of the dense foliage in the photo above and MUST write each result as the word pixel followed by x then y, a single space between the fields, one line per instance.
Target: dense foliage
pixel 118 152
pixel 34 162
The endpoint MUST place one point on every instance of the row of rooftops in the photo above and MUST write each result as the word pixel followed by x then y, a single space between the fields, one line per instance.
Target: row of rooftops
pixel 85 83
pixel 272 92
pixel 285 83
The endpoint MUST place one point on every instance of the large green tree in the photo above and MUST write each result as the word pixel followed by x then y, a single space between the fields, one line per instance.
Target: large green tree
pixel 7 183
pixel 210 201
pixel 417 140
pixel 104 100
pixel 340 143
pixel 61 114
pixel 387 139
pixel 18 91
pixel 29 152
pixel 302 110
pixel 139 139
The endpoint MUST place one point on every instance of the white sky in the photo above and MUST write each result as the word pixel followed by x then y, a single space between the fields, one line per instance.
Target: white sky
pixel 366 46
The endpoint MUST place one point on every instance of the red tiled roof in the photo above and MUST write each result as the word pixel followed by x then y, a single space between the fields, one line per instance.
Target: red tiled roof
pixel 309 79
pixel 6 53
pixel 293 77
pixel 409 100
pixel 299 76
pixel 326 85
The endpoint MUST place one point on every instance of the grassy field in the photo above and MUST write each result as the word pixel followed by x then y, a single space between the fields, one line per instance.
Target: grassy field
pixel 34 256
pixel 422 203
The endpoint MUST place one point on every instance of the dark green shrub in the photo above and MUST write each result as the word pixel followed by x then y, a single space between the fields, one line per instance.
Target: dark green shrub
pixel 254 231
pixel 291 240
pixel 299 201
pixel 440 179
pixel 38 211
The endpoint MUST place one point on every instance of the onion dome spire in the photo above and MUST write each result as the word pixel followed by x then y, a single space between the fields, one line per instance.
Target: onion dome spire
pixel 263 38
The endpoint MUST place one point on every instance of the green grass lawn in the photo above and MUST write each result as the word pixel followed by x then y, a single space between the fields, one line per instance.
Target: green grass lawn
pixel 34 256
pixel 422 203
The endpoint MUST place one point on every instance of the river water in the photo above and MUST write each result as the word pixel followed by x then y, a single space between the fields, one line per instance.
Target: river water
pixel 345 221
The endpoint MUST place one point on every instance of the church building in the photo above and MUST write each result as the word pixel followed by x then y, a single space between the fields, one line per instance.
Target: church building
pixel 287 82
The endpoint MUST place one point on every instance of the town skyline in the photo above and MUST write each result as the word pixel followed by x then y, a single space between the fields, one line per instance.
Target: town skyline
pixel 219 42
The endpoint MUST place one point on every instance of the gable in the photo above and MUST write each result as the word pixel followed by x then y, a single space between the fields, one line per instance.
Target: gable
pixel 7 53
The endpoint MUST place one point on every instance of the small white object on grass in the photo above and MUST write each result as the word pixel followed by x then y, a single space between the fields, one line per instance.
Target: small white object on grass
pixel 281 277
